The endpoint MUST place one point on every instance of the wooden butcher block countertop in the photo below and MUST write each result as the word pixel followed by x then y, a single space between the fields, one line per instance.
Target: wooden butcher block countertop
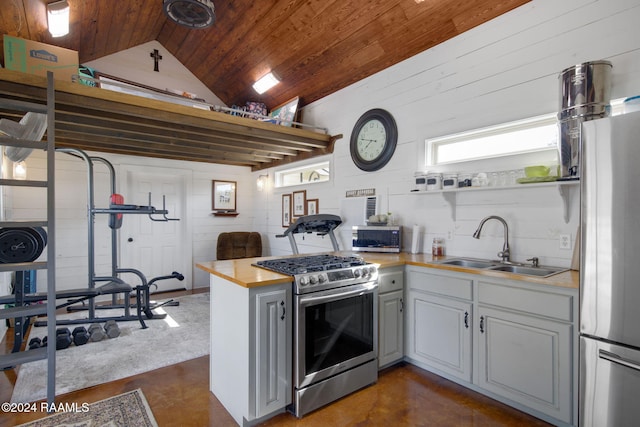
pixel 244 273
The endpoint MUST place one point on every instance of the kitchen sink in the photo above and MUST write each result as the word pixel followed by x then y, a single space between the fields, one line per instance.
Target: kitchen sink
pixel 471 263
pixel 498 266
pixel 529 271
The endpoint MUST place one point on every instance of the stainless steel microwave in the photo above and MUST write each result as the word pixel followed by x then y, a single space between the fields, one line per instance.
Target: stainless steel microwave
pixel 376 238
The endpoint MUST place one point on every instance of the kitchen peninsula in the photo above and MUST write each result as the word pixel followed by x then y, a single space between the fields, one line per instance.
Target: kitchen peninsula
pixel 252 334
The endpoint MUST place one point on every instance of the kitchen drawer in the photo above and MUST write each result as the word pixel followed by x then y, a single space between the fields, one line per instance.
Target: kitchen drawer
pixel 558 306
pixel 390 279
pixel 423 280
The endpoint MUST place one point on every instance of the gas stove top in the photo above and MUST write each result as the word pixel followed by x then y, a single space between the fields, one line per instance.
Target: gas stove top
pixel 308 264
pixel 319 272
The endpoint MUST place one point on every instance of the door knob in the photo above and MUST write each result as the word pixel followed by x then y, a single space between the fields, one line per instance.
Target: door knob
pixel 130 239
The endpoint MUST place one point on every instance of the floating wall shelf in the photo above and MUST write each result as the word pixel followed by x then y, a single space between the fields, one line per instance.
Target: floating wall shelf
pixel 451 196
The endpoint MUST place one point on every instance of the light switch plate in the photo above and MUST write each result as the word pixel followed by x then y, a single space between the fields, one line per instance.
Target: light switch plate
pixel 565 241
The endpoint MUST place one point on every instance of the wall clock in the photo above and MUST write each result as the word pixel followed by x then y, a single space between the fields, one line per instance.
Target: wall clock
pixel 373 140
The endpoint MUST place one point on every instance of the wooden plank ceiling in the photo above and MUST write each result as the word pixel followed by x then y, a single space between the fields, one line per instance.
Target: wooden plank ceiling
pixel 316 46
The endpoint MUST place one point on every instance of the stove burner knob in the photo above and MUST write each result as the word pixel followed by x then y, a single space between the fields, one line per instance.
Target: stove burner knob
pixel 357 272
pixel 322 278
pixel 313 280
pixel 365 272
pixel 372 269
pixel 304 281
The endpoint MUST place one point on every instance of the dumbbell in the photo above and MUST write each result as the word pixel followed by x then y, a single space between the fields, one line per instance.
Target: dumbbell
pixel 80 335
pixel 96 333
pixel 112 329
pixel 35 343
pixel 63 338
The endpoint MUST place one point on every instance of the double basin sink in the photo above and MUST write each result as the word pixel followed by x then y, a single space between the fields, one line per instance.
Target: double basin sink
pixel 515 268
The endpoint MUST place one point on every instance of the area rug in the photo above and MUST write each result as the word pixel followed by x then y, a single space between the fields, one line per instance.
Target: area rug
pixel 183 335
pixel 127 409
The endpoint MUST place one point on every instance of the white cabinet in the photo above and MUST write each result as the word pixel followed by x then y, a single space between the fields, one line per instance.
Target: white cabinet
pixel 390 316
pixel 525 347
pixel 251 341
pixel 273 354
pixel 439 313
pixel 512 340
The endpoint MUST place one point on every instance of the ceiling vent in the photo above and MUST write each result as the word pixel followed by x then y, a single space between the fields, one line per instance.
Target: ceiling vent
pixel 190 13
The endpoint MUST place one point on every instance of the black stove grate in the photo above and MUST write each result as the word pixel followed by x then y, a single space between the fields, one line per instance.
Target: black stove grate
pixel 308 264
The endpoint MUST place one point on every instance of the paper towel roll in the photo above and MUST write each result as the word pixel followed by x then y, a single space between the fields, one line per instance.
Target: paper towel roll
pixel 415 239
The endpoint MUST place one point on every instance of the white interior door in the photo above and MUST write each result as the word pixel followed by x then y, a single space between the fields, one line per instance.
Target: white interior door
pixel 156 248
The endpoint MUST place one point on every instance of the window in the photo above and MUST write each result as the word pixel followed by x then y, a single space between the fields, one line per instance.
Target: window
pixel 307 174
pixel 519 137
pixel 522 136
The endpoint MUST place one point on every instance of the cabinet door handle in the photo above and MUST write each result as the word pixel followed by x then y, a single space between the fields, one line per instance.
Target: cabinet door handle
pixel 482 324
pixel 401 305
pixel 466 319
pixel 284 310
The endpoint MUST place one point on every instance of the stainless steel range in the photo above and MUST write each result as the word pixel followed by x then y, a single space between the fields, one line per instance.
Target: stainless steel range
pixel 335 329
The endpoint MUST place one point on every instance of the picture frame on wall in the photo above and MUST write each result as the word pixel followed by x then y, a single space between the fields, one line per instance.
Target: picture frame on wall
pixel 312 206
pixel 223 196
pixel 286 210
pixel 299 203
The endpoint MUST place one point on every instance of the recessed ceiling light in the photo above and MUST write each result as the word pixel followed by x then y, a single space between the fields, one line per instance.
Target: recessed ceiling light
pixel 266 82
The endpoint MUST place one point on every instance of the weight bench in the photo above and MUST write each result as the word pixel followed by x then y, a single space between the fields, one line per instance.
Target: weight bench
pixel 72 296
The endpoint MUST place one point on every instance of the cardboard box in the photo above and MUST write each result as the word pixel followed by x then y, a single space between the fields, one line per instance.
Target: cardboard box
pixel 37 58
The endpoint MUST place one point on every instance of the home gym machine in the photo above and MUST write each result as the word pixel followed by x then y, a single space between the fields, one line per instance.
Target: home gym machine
pixel 113 285
pixel 24 244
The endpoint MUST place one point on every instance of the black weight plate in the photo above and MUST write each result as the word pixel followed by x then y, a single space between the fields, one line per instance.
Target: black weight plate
pixel 40 235
pixel 21 244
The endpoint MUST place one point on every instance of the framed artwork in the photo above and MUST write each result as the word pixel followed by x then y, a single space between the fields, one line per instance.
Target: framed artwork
pixel 286 210
pixel 312 206
pixel 286 113
pixel 299 203
pixel 223 196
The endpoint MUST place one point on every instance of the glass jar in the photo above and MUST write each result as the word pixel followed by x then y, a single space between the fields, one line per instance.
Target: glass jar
pixel 421 181
pixel 437 247
pixel 449 181
pixel 434 182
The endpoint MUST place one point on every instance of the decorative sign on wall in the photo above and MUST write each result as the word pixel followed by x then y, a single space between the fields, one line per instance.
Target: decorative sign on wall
pixel 362 192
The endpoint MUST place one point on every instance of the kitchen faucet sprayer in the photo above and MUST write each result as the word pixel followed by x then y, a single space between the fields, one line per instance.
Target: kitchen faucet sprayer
pixel 505 254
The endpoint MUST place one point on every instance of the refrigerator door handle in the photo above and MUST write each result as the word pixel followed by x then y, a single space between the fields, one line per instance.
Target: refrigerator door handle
pixel 612 357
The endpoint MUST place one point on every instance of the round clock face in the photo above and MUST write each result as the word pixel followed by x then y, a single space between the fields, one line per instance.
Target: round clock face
pixel 373 140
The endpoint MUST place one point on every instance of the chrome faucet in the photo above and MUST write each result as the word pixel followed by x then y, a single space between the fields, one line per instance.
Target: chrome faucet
pixel 505 254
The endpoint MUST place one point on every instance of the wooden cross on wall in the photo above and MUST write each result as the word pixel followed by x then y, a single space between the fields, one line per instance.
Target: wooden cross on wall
pixel 156 59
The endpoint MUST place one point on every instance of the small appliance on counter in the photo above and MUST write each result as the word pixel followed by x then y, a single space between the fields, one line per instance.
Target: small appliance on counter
pixel 376 238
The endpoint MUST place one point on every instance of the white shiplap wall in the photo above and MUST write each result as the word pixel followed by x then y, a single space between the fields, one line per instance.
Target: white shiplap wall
pixel 71 211
pixel 504 70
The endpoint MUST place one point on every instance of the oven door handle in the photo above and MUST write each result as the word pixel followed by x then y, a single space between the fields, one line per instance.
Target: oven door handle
pixel 319 299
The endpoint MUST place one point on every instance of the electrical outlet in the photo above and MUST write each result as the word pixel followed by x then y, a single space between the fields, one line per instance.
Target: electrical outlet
pixel 449 234
pixel 565 241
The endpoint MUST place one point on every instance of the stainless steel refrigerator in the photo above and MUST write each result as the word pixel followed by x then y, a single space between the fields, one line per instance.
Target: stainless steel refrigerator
pixel 610 272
